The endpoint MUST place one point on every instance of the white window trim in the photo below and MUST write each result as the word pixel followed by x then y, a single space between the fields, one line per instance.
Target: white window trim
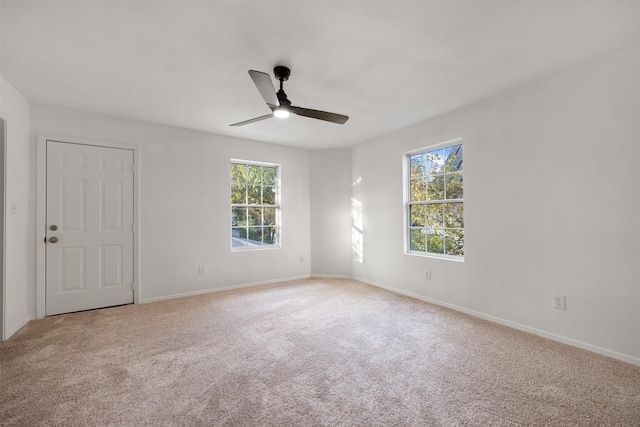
pixel 405 200
pixel 278 243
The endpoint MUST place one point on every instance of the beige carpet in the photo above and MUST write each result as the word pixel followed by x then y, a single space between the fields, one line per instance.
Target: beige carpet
pixel 304 353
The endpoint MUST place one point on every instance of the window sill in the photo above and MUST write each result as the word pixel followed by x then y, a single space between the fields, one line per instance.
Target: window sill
pixel 435 256
pixel 254 248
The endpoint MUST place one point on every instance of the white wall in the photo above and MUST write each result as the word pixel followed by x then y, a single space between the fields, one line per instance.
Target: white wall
pixel 330 212
pixel 551 206
pixel 185 212
pixel 14 109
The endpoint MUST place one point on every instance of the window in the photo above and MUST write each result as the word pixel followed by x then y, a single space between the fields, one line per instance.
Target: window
pixel 435 204
pixel 254 206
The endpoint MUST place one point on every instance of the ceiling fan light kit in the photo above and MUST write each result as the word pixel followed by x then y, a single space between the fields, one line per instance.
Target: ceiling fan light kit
pixel 281 112
pixel 279 103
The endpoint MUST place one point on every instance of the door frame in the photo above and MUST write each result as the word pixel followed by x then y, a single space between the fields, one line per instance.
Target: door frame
pixel 41 211
pixel 3 225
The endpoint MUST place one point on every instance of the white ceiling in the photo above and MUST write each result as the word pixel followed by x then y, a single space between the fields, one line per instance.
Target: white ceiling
pixel 386 64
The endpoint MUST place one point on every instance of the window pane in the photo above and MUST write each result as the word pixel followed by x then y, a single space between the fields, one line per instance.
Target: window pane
pixel 238 173
pixel 238 193
pixel 435 241
pixel 268 175
pixel 238 216
pixel 255 235
pixel 454 186
pixel 269 235
pixel 269 195
pixel 255 216
pixel 453 158
pixel 453 215
pixel 435 191
pixel 417 215
pixel 417 239
pixel 269 217
pixel 434 215
pixel 254 195
pixel 455 242
pixel 238 237
pixel 417 164
pixel 418 190
pixel 435 161
pixel 254 175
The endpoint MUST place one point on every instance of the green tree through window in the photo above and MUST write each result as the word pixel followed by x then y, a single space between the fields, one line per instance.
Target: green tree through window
pixel 436 207
pixel 254 208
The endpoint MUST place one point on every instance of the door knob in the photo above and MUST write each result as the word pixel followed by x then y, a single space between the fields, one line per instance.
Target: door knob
pixel 53 239
pixel 53 228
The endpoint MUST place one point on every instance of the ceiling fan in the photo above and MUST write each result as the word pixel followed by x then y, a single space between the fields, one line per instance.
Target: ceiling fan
pixel 279 103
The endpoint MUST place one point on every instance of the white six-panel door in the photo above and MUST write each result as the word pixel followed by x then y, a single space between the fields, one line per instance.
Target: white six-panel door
pixel 89 225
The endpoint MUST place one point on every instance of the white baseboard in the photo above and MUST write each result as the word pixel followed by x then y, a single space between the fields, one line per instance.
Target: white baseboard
pixel 514 325
pixel 331 276
pixel 17 327
pixel 225 288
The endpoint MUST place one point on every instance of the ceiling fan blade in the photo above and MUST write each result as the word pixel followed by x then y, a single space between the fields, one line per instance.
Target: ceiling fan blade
pixel 320 115
pixel 265 86
pixel 257 119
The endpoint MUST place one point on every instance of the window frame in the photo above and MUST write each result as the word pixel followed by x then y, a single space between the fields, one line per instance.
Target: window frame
pixel 278 225
pixel 406 179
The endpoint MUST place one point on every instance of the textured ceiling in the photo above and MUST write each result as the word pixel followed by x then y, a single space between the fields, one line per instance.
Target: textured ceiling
pixel 386 64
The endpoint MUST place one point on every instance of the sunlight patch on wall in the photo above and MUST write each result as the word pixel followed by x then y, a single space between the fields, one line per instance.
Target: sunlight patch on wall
pixel 356 231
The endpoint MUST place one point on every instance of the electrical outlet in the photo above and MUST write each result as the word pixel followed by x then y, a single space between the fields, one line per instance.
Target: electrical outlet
pixel 427 274
pixel 560 302
pixel 201 269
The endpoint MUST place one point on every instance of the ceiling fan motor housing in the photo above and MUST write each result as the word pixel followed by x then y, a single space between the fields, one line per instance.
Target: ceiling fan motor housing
pixel 282 98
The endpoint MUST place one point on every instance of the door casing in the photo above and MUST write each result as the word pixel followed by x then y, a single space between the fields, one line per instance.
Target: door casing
pixel 3 180
pixel 41 205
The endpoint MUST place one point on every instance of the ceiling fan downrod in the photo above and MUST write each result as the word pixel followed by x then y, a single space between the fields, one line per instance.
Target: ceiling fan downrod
pixel 283 110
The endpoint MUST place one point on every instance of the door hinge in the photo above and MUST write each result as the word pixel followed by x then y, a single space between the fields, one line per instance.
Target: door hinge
pixel 133 169
pixel 133 286
pixel 133 227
